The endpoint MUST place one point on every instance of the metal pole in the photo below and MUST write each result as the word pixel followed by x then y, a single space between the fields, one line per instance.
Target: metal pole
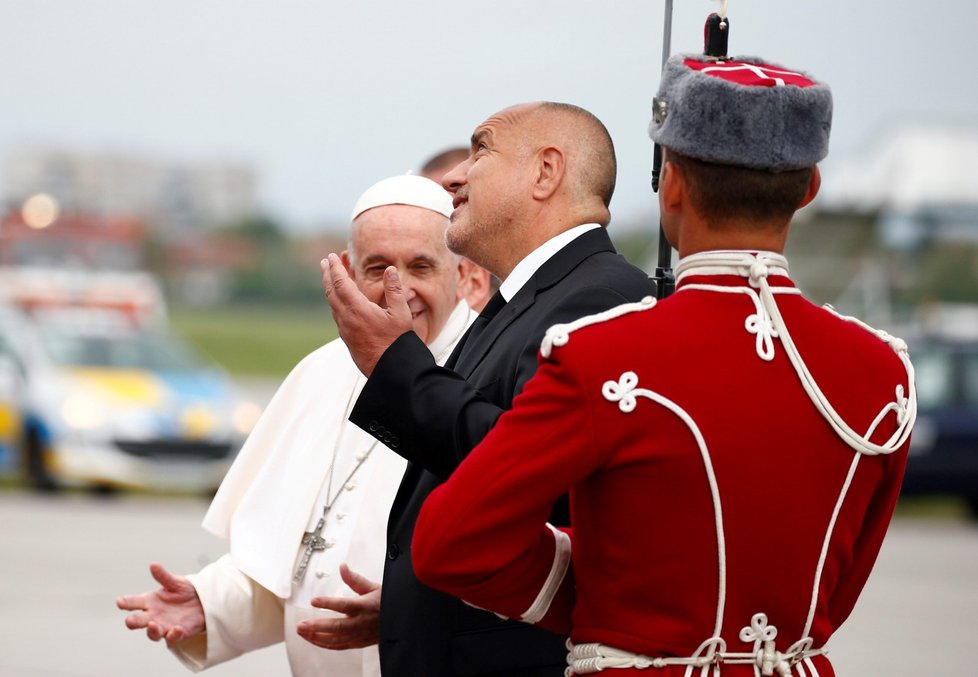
pixel 667 34
pixel 665 281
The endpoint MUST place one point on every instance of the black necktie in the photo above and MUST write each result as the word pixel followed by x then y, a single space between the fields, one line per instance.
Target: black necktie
pixel 494 305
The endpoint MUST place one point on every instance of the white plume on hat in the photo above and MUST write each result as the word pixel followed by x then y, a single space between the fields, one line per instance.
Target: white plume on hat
pixel 406 189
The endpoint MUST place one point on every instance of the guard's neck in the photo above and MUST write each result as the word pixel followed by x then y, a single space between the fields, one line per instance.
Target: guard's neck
pixel 703 239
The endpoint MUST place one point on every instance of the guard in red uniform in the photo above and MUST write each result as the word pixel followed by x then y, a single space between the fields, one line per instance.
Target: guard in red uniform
pixel 733 453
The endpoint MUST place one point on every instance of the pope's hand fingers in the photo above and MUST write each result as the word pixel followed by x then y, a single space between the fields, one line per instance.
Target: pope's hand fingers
pixel 359 584
pixel 327 626
pixel 137 621
pixel 322 640
pixel 328 638
pixel 131 603
pixel 154 631
pixel 343 605
pixel 164 577
pixel 175 634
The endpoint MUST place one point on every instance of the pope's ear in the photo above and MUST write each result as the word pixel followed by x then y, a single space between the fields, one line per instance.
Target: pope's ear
pixel 345 258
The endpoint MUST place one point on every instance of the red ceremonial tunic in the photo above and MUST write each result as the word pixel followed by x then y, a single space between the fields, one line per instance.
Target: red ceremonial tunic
pixel 718 514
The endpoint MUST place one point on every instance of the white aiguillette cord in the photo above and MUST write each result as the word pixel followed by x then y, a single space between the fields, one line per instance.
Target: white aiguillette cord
pixel 756 269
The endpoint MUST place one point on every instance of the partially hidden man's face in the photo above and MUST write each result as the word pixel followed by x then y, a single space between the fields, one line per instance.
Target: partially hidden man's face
pixel 489 187
pixel 412 239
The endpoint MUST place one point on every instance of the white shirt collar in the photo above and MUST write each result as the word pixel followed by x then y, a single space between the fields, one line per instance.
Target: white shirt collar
pixel 531 263
pixel 455 326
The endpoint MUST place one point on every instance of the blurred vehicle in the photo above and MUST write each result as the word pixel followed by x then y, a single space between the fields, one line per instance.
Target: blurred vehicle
pixel 944 447
pixel 11 404
pixel 100 398
pixel 135 294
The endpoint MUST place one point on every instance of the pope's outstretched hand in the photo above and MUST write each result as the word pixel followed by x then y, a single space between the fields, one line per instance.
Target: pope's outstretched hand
pixel 359 626
pixel 173 612
pixel 366 328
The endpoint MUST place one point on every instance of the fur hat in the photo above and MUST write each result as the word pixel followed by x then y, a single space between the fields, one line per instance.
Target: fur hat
pixel 407 189
pixel 743 112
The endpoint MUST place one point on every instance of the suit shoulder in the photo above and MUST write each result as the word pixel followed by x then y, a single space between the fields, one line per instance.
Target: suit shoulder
pixel 559 334
pixel 614 270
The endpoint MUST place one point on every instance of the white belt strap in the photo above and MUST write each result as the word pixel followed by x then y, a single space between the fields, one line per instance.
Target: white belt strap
pixel 585 659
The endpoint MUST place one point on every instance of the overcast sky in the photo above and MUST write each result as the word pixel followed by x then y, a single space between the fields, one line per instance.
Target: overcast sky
pixel 323 97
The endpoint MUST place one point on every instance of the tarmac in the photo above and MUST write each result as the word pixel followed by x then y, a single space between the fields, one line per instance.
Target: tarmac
pixel 65 558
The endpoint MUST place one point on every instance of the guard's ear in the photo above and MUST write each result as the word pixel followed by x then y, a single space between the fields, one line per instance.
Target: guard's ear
pixel 345 258
pixel 672 187
pixel 550 170
pixel 814 183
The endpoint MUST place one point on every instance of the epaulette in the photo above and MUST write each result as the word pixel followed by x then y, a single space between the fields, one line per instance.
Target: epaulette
pixel 559 334
pixel 897 344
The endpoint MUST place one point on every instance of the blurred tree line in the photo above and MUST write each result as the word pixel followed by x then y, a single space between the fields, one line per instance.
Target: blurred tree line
pixel 250 261
pixel 278 273
pixel 842 257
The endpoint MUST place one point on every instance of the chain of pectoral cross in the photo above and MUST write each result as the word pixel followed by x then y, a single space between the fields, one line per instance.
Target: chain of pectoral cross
pixel 313 540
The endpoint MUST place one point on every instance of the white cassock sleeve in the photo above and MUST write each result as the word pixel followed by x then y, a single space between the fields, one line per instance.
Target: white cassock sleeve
pixel 241 616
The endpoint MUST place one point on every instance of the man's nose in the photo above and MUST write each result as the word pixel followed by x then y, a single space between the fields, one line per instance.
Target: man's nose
pixel 455 178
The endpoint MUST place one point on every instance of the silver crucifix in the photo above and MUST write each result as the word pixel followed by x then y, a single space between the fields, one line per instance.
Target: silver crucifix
pixel 314 542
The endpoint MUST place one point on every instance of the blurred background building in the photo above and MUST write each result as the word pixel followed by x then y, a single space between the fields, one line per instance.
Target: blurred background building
pixel 172 197
pixel 893 237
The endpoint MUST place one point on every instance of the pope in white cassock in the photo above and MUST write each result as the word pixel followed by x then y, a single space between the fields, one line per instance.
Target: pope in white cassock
pixel 310 492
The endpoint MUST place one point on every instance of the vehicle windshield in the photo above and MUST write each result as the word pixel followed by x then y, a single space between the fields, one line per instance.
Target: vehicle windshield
pixel 934 373
pixel 154 352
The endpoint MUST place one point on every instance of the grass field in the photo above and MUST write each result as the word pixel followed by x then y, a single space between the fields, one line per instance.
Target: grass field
pixel 254 341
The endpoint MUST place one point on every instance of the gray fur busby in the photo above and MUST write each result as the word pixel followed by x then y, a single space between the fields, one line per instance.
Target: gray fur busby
pixel 742 112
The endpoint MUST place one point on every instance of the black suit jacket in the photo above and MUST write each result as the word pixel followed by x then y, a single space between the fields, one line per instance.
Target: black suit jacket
pixel 433 416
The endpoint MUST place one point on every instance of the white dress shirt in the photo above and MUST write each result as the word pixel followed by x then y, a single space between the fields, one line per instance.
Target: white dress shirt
pixel 531 263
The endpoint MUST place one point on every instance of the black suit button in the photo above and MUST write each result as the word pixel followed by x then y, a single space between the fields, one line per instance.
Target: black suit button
pixel 372 426
pixel 394 442
pixel 393 551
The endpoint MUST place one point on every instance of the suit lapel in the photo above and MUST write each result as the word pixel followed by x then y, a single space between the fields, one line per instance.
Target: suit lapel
pixel 556 268
pixel 476 349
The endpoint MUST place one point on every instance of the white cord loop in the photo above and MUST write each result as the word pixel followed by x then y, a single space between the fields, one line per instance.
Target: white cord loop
pixel 621 391
pixel 758 271
pixel 559 334
pixel 766 657
pixel 768 323
pixel 760 324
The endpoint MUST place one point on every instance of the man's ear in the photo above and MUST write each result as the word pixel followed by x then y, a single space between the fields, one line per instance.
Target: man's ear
pixel 462 269
pixel 550 170
pixel 345 258
pixel 814 183
pixel 672 187
pixel 474 284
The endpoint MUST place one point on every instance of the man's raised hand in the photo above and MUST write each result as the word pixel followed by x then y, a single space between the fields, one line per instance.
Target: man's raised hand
pixel 366 328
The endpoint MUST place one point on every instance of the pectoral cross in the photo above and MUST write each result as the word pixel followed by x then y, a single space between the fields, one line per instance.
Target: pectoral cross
pixel 314 542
